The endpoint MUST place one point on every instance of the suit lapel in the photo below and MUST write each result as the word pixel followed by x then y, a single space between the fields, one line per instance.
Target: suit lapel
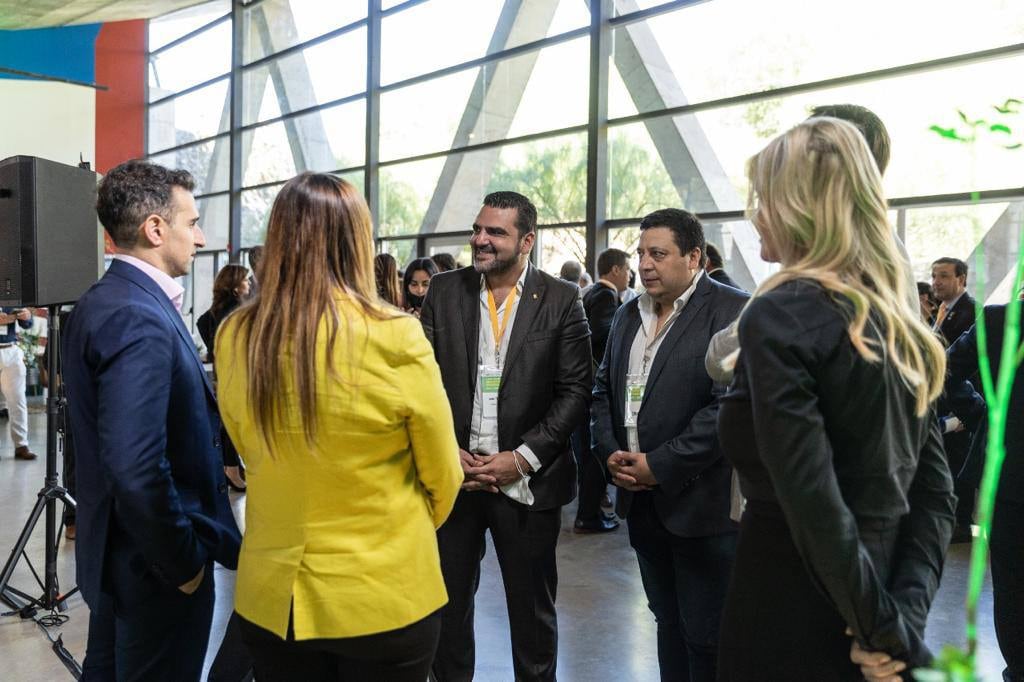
pixel 690 311
pixel 529 304
pixel 469 310
pixel 141 279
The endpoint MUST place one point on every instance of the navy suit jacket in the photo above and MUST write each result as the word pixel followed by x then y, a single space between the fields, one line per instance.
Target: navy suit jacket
pixel 678 419
pixel 152 497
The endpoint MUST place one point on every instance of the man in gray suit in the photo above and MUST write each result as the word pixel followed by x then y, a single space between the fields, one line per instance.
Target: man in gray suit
pixel 514 352
pixel 654 418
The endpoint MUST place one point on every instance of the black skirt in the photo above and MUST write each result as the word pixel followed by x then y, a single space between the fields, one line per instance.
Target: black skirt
pixel 776 624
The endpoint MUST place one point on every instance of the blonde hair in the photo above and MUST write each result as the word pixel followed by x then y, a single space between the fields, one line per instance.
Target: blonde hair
pixel 816 197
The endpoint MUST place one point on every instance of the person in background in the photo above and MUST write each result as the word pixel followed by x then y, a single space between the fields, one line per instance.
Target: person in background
pixel 955 316
pixel 571 271
pixel 585 280
pixel 1007 536
pixel 849 502
pixel 337 402
pixel 630 292
pixel 255 258
pixel 389 282
pixel 716 268
pixel 416 282
pixel 12 377
pixel 929 305
pixel 445 262
pixel 231 288
pixel 600 302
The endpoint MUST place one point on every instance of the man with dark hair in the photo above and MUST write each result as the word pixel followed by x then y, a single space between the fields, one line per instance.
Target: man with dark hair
pixel 600 302
pixel 954 317
pixel 654 419
pixel 445 262
pixel 869 125
pixel 153 512
pixel 716 268
pixel 514 352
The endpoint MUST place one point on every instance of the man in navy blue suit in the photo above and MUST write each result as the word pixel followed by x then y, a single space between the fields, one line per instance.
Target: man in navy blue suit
pixel 153 511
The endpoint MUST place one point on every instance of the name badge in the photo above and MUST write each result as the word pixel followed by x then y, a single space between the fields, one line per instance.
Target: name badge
pixel 490 384
pixel 636 384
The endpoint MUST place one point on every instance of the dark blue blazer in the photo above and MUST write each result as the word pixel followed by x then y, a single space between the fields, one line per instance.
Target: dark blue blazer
pixel 678 418
pixel 152 497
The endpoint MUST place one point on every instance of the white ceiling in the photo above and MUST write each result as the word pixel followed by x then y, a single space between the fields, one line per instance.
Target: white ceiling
pixel 15 14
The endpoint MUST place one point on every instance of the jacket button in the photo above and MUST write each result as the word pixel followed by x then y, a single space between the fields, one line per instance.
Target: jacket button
pixel 222 488
pixel 216 441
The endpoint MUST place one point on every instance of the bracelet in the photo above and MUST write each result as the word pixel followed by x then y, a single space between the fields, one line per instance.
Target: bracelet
pixel 519 467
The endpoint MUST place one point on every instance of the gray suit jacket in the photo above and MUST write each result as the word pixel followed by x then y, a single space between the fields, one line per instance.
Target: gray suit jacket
pixel 678 419
pixel 546 380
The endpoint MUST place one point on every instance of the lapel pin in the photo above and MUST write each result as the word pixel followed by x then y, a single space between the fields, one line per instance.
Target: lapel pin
pixel 535 297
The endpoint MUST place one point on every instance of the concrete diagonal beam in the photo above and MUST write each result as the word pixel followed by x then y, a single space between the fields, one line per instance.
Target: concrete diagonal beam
pixel 490 110
pixel 1000 249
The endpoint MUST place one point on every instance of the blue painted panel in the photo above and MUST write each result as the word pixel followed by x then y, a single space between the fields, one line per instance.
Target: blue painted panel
pixel 64 52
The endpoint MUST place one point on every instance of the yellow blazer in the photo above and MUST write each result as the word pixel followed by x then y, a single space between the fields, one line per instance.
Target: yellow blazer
pixel 345 529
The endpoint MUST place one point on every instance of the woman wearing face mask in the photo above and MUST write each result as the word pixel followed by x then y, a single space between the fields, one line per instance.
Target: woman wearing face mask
pixel 230 289
pixel 416 283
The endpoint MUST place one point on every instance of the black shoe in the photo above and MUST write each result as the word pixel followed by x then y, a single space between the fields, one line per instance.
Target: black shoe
pixel 961 534
pixel 601 525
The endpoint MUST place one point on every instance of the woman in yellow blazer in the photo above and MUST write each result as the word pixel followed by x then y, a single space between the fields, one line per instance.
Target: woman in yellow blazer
pixel 352 461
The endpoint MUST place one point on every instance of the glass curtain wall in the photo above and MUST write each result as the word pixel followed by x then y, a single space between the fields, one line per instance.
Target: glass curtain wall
pixel 599 110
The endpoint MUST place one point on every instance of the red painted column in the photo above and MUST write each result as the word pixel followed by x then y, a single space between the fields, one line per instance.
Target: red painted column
pixel 121 110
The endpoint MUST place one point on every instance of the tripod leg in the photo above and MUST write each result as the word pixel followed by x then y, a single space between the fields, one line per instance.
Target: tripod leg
pixel 19 547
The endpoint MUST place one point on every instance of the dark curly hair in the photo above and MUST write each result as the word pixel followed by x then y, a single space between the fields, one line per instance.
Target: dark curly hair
pixel 134 190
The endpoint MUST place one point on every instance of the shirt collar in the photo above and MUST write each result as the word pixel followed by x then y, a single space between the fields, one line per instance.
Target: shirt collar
pixel 646 303
pixel 520 283
pixel 174 291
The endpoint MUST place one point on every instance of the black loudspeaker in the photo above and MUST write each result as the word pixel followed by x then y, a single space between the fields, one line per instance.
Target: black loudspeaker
pixel 51 245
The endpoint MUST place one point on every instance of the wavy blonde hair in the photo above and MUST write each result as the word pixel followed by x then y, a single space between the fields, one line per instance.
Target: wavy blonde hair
pixel 816 198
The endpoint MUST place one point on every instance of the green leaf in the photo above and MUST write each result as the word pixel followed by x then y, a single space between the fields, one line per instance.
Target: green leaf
pixel 1000 128
pixel 1010 106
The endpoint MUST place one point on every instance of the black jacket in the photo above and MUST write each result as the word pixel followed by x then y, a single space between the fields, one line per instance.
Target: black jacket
pixel 546 379
pixel 958 320
pixel 862 481
pixel 962 359
pixel 600 304
pixel 679 414
pixel 722 277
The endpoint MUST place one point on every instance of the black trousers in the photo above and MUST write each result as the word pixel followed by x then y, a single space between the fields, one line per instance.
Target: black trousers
pixel 965 478
pixel 1008 584
pixel 524 542
pixel 686 580
pixel 401 655
pixel 590 474
pixel 163 639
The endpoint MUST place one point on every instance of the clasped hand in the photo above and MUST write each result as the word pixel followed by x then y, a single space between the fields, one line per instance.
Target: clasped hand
pixel 490 472
pixel 630 471
pixel 876 666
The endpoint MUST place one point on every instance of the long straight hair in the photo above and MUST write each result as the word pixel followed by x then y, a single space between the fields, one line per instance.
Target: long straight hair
pixel 319 244
pixel 816 196
pixel 389 286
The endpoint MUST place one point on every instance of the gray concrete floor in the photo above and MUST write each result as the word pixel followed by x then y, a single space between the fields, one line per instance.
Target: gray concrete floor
pixel 606 631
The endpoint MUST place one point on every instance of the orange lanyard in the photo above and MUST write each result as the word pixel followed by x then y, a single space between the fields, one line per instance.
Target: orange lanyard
pixel 499 331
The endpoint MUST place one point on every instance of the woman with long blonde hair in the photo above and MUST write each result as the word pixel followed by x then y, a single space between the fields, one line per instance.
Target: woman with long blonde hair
pixel 337 402
pixel 829 425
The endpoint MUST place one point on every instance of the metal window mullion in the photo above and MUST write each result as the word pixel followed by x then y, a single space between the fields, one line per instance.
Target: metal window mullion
pixel 597 134
pixel 188 36
pixel 371 178
pixel 235 164
pixel 190 89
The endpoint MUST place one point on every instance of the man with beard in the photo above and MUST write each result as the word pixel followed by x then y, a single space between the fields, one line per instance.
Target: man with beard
pixel 514 350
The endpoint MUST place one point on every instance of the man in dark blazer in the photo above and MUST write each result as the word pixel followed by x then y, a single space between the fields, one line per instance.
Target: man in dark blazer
pixel 1008 519
pixel 955 316
pixel 514 352
pixel 600 301
pixel 654 418
pixel 715 268
pixel 153 512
